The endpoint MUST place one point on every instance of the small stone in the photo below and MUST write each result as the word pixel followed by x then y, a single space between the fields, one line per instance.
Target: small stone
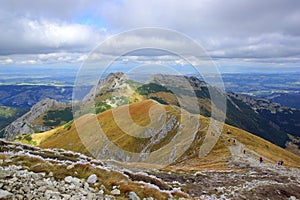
pixel 133 196
pixel 29 196
pixel 53 194
pixel 109 197
pixel 72 186
pixel 86 186
pixel 11 146
pixel 5 194
pixel 90 196
pixel 70 167
pixel 77 182
pixel 50 174
pixel 83 192
pixel 68 179
pixel 101 192
pixel 66 196
pixel 115 192
pixel 40 183
pixel 92 179
pixel 102 187
pixel 19 197
pixel 4 174
pixel 292 198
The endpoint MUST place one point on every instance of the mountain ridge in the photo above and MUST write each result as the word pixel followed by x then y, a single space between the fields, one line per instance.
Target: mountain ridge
pixel 256 116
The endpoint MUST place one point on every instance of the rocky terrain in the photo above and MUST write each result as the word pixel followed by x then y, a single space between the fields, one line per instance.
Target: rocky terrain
pixel 25 125
pixel 28 172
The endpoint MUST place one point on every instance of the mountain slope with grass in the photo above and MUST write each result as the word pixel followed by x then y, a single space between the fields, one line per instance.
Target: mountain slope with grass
pixel 129 138
pixel 262 118
pixel 230 170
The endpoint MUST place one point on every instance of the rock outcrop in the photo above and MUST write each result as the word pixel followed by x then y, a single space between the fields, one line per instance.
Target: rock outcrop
pixel 258 104
pixel 112 83
pixel 28 172
pixel 24 125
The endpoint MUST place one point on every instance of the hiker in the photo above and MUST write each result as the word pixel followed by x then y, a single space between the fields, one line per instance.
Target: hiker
pixel 279 163
pixel 244 151
pixel 260 159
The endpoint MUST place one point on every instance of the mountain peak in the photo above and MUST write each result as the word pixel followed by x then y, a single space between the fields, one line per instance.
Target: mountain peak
pixel 177 80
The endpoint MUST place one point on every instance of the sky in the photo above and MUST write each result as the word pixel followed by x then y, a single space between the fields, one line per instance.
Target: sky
pixel 239 35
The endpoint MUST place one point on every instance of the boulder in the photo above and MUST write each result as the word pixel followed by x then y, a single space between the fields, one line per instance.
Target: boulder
pixel 92 179
pixel 115 192
pixel 5 194
pixel 133 196
pixel 68 179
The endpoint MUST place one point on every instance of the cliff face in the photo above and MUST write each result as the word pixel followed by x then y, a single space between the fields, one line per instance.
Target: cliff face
pixel 112 83
pixel 24 124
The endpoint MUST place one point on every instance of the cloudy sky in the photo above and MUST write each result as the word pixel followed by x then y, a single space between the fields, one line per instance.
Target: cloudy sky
pixel 237 34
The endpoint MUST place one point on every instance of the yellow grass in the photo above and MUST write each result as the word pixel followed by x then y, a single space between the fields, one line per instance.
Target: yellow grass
pixel 139 112
pixel 263 147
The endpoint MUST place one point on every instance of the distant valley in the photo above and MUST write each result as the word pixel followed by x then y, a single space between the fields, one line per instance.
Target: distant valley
pixel 280 88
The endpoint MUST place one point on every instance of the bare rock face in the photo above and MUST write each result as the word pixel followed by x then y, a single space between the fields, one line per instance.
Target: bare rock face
pixel 112 82
pixel 23 125
pixel 257 104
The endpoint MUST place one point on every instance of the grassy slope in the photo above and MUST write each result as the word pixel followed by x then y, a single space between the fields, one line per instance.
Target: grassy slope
pixel 263 147
pixel 68 138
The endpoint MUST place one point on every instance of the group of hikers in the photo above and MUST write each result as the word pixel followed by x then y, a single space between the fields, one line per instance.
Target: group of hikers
pixel 279 163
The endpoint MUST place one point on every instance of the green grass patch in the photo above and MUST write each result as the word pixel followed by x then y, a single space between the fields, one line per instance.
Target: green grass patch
pixel 57 117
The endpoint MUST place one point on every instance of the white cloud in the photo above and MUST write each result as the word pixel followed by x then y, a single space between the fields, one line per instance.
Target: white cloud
pixel 25 36
pixel 27 62
pixel 245 32
pixel 6 61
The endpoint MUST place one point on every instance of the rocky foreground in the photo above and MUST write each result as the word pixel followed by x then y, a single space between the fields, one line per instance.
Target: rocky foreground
pixel 28 172
pixel 32 173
